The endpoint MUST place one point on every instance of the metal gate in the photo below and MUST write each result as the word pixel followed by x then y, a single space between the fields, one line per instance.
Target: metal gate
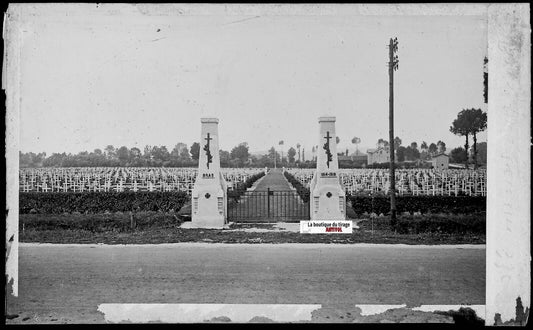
pixel 269 205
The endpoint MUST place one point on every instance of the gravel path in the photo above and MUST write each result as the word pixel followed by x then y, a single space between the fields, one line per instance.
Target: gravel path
pixel 274 180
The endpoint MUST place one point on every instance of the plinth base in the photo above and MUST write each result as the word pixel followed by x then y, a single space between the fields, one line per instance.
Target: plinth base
pixel 206 224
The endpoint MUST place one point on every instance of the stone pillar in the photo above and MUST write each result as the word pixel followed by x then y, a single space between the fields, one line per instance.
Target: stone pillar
pixel 209 195
pixel 328 198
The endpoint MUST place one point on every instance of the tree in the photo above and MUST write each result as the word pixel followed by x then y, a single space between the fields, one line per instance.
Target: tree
pixel 414 145
pixel 195 150
pixel 179 154
pixel 225 158
pixel 299 154
pixel 110 152
pixel 479 124
pixel 281 142
pixel 400 153
pixel 96 158
pixel 469 121
pixel 24 159
pixel 184 155
pixel 262 161
pixel 177 149
pixel 36 160
pixel 424 150
pixel 135 152
pixel 273 155
pixel 458 155
pixel 136 157
pixel 481 150
pixel 411 153
pixel 460 126
pixel 147 154
pixel 123 155
pixel 356 141
pixel 55 160
pixel 432 149
pixel 441 146
pixel 240 152
pixel 383 143
pixel 160 155
pixel 337 139
pixel 397 143
pixel 290 155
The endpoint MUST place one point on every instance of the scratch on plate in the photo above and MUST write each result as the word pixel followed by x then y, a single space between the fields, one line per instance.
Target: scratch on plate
pixel 241 20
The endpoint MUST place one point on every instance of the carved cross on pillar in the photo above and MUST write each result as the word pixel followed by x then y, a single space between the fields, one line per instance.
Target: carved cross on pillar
pixel 207 150
pixel 326 147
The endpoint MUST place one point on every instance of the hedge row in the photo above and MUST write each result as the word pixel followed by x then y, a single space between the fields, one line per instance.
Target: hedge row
pixel 422 204
pixel 465 224
pixel 242 187
pixel 100 202
pixel 302 191
pixel 97 223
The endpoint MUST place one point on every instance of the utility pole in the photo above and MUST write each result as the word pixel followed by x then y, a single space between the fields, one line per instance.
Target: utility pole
pixel 393 66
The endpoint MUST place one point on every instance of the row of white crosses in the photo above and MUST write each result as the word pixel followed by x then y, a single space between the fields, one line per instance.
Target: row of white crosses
pixel 107 179
pixel 234 176
pixel 80 179
pixel 408 181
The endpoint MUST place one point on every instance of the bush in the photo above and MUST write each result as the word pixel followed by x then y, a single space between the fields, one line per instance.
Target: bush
pixel 423 204
pixel 302 191
pixel 100 202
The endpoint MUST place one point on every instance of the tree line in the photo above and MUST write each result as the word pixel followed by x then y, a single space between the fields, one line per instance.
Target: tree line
pixel 239 156
pixel 469 122
pixel 150 156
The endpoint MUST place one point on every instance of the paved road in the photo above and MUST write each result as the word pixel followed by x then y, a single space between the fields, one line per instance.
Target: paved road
pixel 285 204
pixel 67 283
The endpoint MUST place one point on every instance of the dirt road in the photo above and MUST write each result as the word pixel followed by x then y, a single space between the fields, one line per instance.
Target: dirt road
pixel 66 283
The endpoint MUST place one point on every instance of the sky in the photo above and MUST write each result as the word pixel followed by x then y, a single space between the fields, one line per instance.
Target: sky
pixel 90 79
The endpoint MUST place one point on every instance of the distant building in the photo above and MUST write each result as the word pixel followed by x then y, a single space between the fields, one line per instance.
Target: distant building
pixel 362 159
pixel 359 160
pixel 378 156
pixel 440 161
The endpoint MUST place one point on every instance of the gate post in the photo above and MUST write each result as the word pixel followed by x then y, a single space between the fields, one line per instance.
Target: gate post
pixel 268 204
pixel 209 193
pixel 328 200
